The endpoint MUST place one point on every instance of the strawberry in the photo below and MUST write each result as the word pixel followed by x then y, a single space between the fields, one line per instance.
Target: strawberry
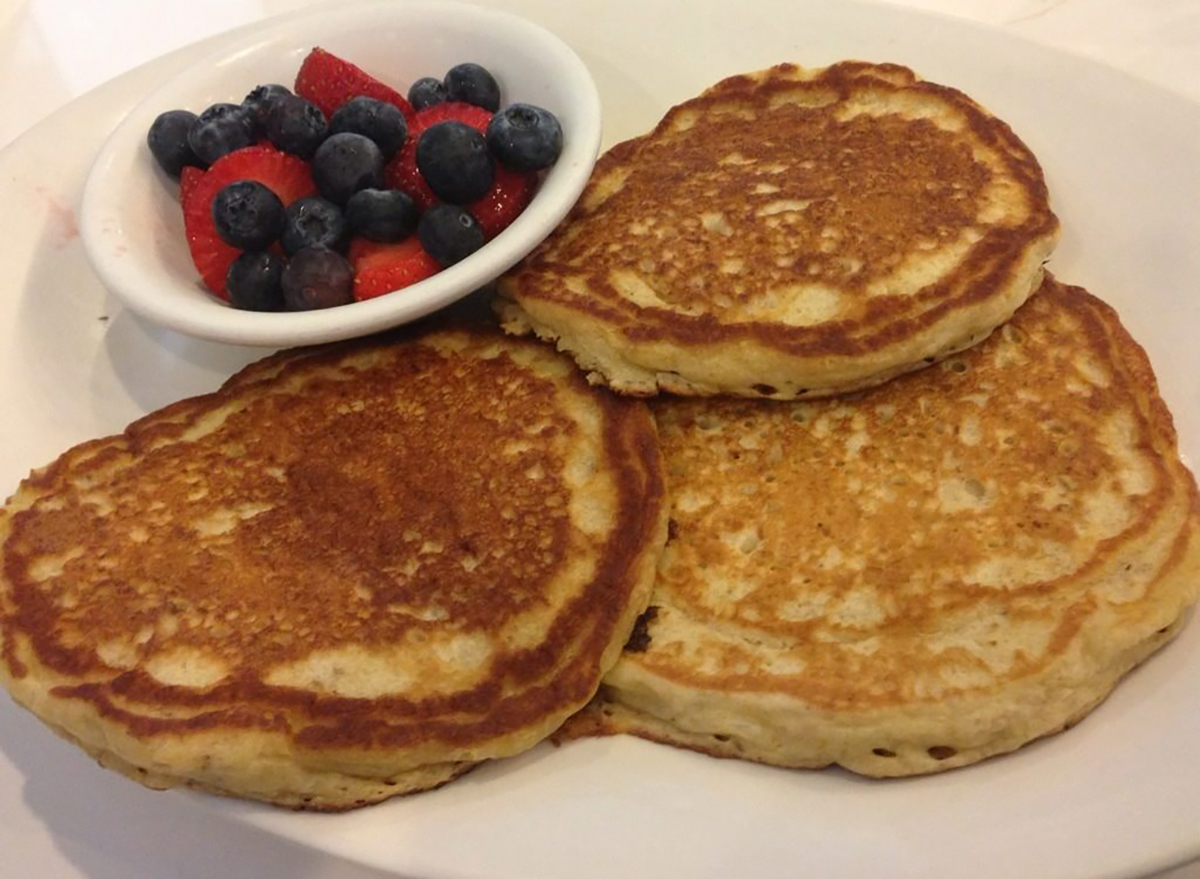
pixel 189 176
pixel 329 82
pixel 382 268
pixel 401 173
pixel 477 117
pixel 287 176
pixel 510 192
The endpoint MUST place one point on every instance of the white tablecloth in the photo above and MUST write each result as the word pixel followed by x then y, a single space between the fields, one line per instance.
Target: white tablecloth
pixel 52 51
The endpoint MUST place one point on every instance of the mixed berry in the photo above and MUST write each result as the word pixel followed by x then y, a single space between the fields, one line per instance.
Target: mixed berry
pixel 343 189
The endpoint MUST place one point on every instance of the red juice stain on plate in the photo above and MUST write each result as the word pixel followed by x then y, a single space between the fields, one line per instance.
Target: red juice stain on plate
pixel 63 227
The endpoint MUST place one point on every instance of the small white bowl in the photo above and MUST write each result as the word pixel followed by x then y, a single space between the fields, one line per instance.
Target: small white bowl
pixel 132 225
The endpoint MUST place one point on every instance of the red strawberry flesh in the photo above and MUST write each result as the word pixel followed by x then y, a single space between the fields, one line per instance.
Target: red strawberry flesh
pixel 456 111
pixel 328 81
pixel 402 173
pixel 382 268
pixel 188 178
pixel 287 176
pixel 510 193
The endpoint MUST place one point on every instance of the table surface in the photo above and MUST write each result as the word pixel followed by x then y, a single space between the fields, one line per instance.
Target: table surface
pixel 52 51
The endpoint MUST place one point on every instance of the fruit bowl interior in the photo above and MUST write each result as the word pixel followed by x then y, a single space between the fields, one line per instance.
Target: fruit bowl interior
pixel 131 220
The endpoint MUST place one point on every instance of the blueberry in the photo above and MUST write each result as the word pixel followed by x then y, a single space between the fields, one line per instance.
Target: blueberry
pixel 453 159
pixel 317 278
pixel 220 130
pixel 381 214
pixel 346 163
pixel 312 222
pixel 253 282
pixel 449 233
pixel 474 85
pixel 296 126
pixel 382 123
pixel 525 137
pixel 426 92
pixel 247 215
pixel 168 141
pixel 259 102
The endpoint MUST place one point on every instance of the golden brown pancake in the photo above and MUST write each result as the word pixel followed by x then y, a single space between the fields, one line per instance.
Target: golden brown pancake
pixel 353 572
pixel 925 574
pixel 791 234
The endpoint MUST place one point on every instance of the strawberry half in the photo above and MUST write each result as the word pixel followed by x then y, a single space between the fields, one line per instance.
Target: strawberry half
pixel 188 178
pixel 382 268
pixel 510 193
pixel 401 173
pixel 287 176
pixel 477 117
pixel 328 81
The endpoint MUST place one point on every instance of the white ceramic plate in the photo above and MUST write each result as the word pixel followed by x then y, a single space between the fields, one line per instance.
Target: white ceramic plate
pixel 1117 796
pixel 130 219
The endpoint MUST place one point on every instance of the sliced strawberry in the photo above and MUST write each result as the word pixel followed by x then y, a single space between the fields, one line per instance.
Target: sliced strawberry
pixel 510 193
pixel 188 178
pixel 477 117
pixel 329 82
pixel 382 268
pixel 287 176
pixel 402 173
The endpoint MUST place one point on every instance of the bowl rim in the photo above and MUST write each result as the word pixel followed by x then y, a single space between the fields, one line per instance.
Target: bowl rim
pixel 139 284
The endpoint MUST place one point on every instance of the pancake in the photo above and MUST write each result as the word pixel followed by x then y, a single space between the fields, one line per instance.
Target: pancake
pixel 791 234
pixel 923 575
pixel 351 573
